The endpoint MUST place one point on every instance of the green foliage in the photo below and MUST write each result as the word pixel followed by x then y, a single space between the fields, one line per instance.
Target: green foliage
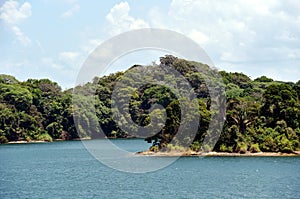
pixel 8 79
pixel 254 148
pixel 206 148
pixel 45 137
pixel 263 79
pixel 18 96
pixel 224 148
pixel 243 81
pixel 154 148
pixel 233 91
pixel 195 146
pixel 261 115
pixel 280 103
pixel 3 139
pixel 242 147
pixel 176 148
pixel 30 109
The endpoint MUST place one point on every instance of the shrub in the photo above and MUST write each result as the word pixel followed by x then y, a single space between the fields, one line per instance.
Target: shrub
pixel 3 139
pixel 154 148
pixel 206 148
pixel 242 147
pixel 45 137
pixel 287 149
pixel 230 149
pixel 284 144
pixel 170 147
pixel 254 148
pixel 114 134
pixel 295 144
pixel 180 148
pixel 195 146
pixel 28 138
pixel 223 148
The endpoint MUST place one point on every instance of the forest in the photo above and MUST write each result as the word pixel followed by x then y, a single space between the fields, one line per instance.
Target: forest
pixel 262 114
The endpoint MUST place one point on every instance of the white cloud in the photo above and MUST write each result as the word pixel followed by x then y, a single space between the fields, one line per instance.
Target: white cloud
pixel 64 63
pixel 120 20
pixel 12 14
pixel 71 11
pixel 68 55
pixel 199 37
pixel 240 30
pixel 21 36
pixel 49 62
pixel 71 59
pixel 40 46
pixel 91 45
pixel 158 18
pixel 235 33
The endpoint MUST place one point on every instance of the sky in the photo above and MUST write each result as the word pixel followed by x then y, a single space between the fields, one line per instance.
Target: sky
pixel 52 38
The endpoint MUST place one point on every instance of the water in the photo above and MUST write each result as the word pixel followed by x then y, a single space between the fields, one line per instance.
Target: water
pixel 67 170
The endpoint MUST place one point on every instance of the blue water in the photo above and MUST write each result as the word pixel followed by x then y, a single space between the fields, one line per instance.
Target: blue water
pixel 67 170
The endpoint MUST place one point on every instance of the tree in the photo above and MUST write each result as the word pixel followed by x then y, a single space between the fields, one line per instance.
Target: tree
pixel 280 103
pixel 263 79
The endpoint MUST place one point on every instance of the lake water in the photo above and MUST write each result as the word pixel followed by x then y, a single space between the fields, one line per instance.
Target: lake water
pixel 68 170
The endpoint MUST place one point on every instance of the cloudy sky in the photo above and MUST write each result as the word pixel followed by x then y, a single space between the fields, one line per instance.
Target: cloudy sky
pixel 52 38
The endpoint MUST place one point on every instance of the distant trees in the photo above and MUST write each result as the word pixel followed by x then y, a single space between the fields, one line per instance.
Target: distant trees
pixel 268 124
pixel 281 103
pixel 34 110
pixel 263 79
pixel 261 115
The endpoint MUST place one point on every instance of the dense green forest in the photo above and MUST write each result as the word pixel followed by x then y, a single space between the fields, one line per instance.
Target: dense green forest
pixel 261 114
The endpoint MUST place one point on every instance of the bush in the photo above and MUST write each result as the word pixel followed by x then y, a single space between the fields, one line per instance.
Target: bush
pixel 284 144
pixel 45 137
pixel 114 134
pixel 295 145
pixel 3 140
pixel 195 146
pixel 169 147
pixel 180 148
pixel 241 148
pixel 254 148
pixel 172 147
pixel 230 149
pixel 287 149
pixel 263 79
pixel 154 148
pixel 28 138
pixel 223 148
pixel 206 148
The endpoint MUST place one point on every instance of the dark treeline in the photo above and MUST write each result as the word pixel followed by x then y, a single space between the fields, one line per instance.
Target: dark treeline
pixel 261 114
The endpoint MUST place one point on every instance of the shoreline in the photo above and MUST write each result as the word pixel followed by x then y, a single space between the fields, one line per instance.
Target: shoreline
pixel 216 154
pixel 26 142
pixel 42 141
pixel 182 153
pixel 61 140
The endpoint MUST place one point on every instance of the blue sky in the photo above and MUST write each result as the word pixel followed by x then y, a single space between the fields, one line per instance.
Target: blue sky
pixel 52 38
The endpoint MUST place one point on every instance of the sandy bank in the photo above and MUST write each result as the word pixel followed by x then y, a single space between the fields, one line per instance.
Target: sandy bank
pixel 25 142
pixel 216 154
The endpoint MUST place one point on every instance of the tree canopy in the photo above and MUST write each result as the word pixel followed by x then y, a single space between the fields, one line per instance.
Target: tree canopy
pixel 261 114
